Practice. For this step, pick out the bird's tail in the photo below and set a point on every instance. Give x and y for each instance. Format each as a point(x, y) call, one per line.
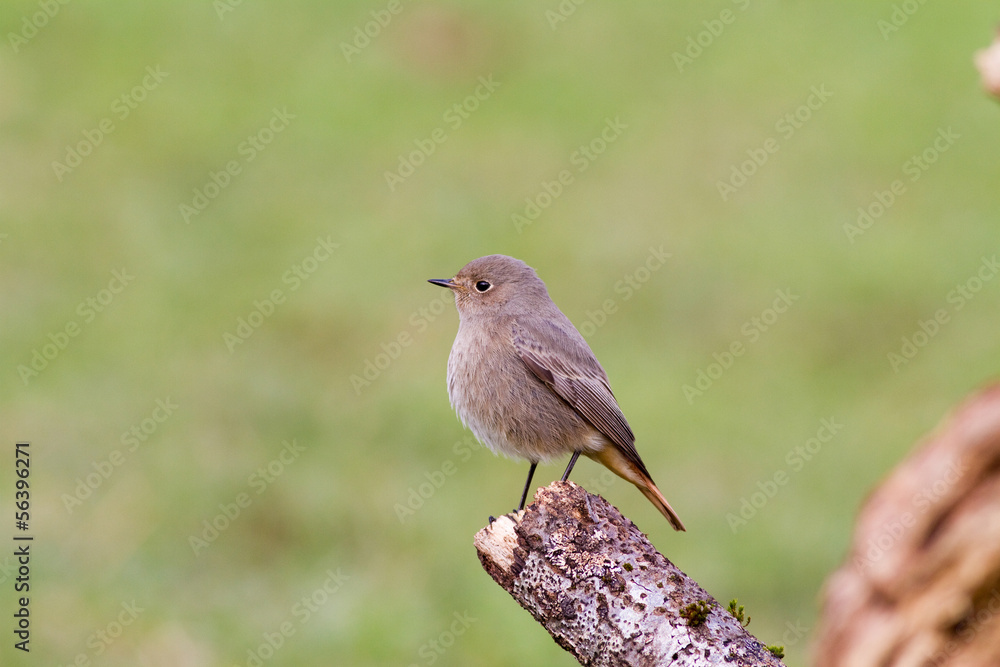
point(650, 491)
point(614, 460)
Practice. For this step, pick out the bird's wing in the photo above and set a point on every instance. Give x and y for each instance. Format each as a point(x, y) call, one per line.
point(584, 385)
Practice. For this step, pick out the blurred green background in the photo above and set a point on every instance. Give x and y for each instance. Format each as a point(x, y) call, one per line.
point(177, 367)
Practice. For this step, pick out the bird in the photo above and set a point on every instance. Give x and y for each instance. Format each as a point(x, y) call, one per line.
point(526, 383)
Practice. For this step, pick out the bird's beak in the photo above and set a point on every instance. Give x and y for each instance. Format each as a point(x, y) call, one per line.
point(444, 282)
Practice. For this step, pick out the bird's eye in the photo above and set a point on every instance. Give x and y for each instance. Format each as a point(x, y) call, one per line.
point(482, 286)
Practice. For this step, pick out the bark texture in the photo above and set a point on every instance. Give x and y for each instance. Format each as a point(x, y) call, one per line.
point(594, 581)
point(921, 585)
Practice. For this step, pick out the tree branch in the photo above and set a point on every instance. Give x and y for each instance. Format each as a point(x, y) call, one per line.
point(594, 581)
point(921, 585)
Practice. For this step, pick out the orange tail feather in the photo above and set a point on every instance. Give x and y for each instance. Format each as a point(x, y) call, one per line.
point(611, 458)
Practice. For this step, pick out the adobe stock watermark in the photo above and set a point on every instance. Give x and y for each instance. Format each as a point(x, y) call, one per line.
point(99, 641)
point(698, 43)
point(561, 12)
point(795, 460)
point(8, 569)
point(131, 440)
point(300, 613)
point(258, 481)
point(786, 127)
point(752, 330)
point(626, 288)
point(390, 350)
point(30, 25)
point(433, 480)
point(59, 340)
point(966, 631)
point(432, 650)
point(914, 167)
point(958, 298)
point(223, 7)
point(246, 152)
point(892, 531)
point(363, 35)
point(121, 108)
point(794, 633)
point(580, 160)
point(901, 13)
point(454, 117)
point(293, 277)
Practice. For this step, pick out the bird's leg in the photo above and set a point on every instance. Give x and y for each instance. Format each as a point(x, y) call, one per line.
point(569, 468)
point(527, 484)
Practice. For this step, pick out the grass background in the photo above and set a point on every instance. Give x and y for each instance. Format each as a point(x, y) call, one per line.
point(366, 449)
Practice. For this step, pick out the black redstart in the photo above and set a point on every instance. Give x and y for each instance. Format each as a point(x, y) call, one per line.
point(525, 381)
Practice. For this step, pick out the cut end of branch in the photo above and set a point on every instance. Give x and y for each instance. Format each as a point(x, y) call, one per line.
point(497, 548)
